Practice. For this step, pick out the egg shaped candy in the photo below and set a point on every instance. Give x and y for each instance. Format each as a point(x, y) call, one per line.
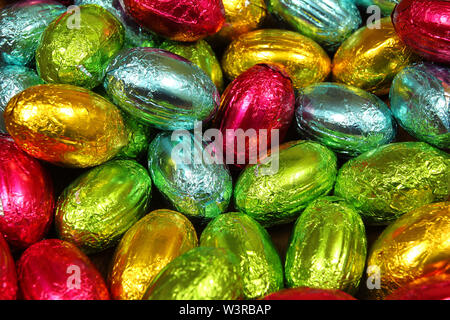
point(8, 277)
point(146, 248)
point(97, 208)
point(346, 119)
point(425, 288)
point(65, 125)
point(303, 59)
point(309, 294)
point(384, 183)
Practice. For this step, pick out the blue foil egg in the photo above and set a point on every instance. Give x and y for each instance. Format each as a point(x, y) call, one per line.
point(420, 102)
point(346, 119)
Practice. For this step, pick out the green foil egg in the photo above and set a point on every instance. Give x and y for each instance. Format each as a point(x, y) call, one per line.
point(384, 183)
point(276, 190)
point(202, 273)
point(328, 247)
point(95, 210)
point(261, 268)
point(138, 136)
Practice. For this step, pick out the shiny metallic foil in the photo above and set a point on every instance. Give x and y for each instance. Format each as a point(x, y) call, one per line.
point(420, 101)
point(8, 277)
point(139, 138)
point(309, 294)
point(386, 6)
point(65, 125)
point(200, 274)
point(275, 194)
point(393, 179)
point(161, 89)
point(195, 187)
point(261, 268)
point(406, 247)
point(21, 27)
point(152, 243)
point(302, 58)
point(97, 208)
point(344, 118)
point(328, 247)
point(328, 22)
point(57, 270)
point(371, 57)
point(424, 288)
point(77, 47)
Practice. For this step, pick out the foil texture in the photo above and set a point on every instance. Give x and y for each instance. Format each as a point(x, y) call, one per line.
point(146, 248)
point(260, 264)
point(420, 102)
point(65, 125)
point(95, 210)
point(327, 22)
point(139, 137)
point(425, 288)
point(371, 57)
point(180, 20)
point(57, 270)
point(302, 58)
point(77, 47)
point(386, 6)
point(276, 190)
point(21, 27)
point(386, 182)
point(26, 196)
point(202, 273)
point(328, 247)
point(406, 248)
point(161, 89)
point(8, 277)
point(346, 119)
point(309, 294)
point(186, 173)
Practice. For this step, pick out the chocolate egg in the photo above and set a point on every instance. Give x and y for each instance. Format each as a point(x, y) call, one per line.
point(21, 27)
point(138, 139)
point(65, 125)
point(200, 274)
point(261, 269)
point(309, 294)
point(97, 208)
point(26, 196)
point(304, 60)
point(146, 248)
point(170, 92)
point(346, 119)
point(276, 190)
point(57, 270)
point(8, 277)
point(371, 57)
point(420, 101)
point(328, 247)
point(426, 288)
point(77, 47)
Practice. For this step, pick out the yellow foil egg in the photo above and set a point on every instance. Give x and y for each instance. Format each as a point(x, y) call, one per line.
point(146, 249)
point(371, 57)
point(302, 58)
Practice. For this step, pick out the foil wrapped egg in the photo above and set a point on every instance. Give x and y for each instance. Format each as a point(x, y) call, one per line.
point(344, 118)
point(327, 22)
point(77, 47)
point(386, 182)
point(146, 248)
point(139, 136)
point(328, 247)
point(420, 101)
point(309, 294)
point(261, 268)
point(57, 270)
point(371, 57)
point(188, 175)
point(65, 125)
point(425, 288)
point(21, 27)
point(278, 188)
point(26, 196)
point(202, 273)
point(8, 277)
point(302, 58)
point(161, 89)
point(95, 210)
point(385, 6)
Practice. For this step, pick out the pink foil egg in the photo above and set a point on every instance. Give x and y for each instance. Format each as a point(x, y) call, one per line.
point(8, 279)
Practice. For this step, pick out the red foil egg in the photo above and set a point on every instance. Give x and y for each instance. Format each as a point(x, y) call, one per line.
point(424, 26)
point(8, 279)
point(426, 288)
point(57, 270)
point(181, 20)
point(26, 196)
point(309, 294)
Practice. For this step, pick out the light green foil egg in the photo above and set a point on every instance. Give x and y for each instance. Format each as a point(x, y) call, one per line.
point(139, 137)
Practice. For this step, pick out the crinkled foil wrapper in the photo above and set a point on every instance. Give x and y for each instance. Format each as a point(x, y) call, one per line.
point(200, 274)
point(8, 277)
point(425, 288)
point(97, 208)
point(139, 136)
point(386, 6)
point(393, 179)
point(261, 268)
point(309, 294)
